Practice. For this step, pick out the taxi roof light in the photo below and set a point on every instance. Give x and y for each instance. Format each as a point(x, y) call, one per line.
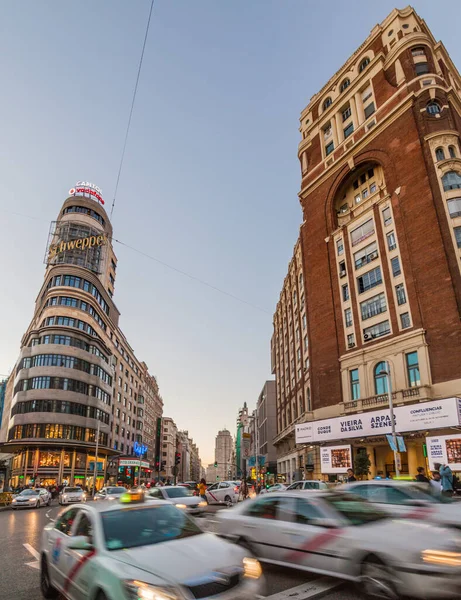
point(132, 498)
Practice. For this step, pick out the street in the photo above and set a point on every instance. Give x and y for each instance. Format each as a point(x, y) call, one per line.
point(20, 541)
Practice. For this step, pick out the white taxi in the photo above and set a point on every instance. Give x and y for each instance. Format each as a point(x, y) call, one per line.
point(342, 535)
point(68, 495)
point(180, 496)
point(224, 492)
point(141, 551)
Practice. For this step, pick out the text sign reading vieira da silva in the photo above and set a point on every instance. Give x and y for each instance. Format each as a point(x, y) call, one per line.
point(85, 188)
point(414, 417)
point(80, 244)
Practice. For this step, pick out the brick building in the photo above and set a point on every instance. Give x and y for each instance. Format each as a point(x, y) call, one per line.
point(379, 255)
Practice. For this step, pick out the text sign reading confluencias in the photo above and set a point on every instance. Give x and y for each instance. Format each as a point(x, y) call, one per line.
point(80, 244)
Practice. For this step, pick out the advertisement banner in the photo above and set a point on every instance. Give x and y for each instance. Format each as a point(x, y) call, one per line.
point(335, 459)
point(126, 462)
point(444, 449)
point(413, 417)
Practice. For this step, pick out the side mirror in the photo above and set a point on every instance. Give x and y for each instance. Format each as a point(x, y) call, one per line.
point(80, 542)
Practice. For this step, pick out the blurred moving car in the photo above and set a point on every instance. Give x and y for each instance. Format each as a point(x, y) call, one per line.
point(111, 492)
point(408, 499)
point(224, 492)
point(71, 494)
point(308, 485)
point(31, 498)
point(341, 535)
point(181, 496)
point(148, 550)
point(277, 487)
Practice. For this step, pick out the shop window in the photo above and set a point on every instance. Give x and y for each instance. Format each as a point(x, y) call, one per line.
point(439, 154)
point(355, 384)
point(380, 376)
point(413, 369)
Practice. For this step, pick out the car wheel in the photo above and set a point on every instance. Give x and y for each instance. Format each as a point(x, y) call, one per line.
point(37, 504)
point(228, 500)
point(48, 591)
point(101, 596)
point(48, 502)
point(376, 580)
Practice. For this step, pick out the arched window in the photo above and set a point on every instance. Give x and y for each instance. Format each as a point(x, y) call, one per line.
point(380, 375)
point(433, 108)
point(345, 84)
point(327, 103)
point(301, 280)
point(363, 65)
point(451, 181)
point(452, 151)
point(440, 154)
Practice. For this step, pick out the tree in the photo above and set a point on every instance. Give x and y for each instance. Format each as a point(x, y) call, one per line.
point(362, 464)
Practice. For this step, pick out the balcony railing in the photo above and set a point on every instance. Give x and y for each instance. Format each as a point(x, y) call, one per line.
point(398, 397)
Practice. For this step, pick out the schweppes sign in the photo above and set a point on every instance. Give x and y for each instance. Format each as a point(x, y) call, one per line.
point(79, 244)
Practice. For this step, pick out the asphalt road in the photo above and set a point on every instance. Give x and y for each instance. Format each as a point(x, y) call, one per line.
point(20, 533)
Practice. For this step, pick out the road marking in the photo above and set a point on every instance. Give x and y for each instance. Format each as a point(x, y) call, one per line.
point(309, 590)
point(36, 563)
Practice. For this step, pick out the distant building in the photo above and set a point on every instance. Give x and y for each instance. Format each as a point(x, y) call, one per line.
point(266, 419)
point(223, 453)
point(211, 474)
point(169, 445)
point(2, 397)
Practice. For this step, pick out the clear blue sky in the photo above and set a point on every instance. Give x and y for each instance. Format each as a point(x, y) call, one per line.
point(211, 174)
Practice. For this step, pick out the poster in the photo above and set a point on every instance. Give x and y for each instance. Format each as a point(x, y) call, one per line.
point(444, 449)
point(335, 459)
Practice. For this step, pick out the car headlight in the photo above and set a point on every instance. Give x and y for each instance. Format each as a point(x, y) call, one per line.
point(252, 568)
point(441, 557)
point(138, 590)
point(32, 499)
point(64, 496)
point(13, 501)
point(202, 503)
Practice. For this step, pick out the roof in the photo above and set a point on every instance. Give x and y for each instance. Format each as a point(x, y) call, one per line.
point(108, 506)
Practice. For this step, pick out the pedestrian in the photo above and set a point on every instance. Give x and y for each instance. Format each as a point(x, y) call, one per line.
point(436, 483)
point(350, 476)
point(421, 477)
point(202, 489)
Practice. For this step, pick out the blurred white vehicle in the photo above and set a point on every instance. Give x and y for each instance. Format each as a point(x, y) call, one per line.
point(181, 496)
point(31, 498)
point(277, 487)
point(224, 492)
point(308, 485)
point(340, 535)
point(71, 494)
point(111, 492)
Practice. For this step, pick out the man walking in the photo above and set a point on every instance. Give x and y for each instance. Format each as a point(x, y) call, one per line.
point(446, 476)
point(350, 476)
point(420, 476)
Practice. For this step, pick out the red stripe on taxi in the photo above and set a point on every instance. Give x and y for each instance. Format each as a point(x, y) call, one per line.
point(76, 568)
point(314, 544)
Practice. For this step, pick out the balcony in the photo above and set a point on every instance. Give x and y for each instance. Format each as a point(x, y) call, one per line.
point(382, 400)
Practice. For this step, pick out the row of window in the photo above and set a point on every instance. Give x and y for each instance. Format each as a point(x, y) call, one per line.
point(84, 211)
point(56, 431)
point(75, 303)
point(69, 322)
point(68, 362)
point(67, 340)
point(381, 378)
point(60, 406)
point(346, 83)
point(82, 284)
point(62, 383)
point(440, 153)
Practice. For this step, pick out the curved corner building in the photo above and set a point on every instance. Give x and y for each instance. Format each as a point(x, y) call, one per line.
point(76, 374)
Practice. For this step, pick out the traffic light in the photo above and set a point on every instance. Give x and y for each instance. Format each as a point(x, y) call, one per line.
point(157, 465)
point(177, 458)
point(215, 464)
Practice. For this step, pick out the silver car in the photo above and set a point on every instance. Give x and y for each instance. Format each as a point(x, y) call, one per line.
point(308, 485)
point(33, 498)
point(181, 496)
point(71, 494)
point(277, 487)
point(111, 492)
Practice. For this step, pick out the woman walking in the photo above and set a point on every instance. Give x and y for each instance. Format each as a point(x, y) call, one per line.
point(202, 489)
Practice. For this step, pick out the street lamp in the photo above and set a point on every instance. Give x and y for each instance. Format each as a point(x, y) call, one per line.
point(96, 457)
point(387, 373)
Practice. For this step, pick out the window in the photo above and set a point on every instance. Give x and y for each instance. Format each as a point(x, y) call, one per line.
point(439, 154)
point(405, 320)
point(375, 331)
point(365, 256)
point(433, 108)
point(358, 199)
point(361, 233)
point(84, 526)
point(348, 130)
point(339, 247)
point(345, 289)
point(348, 317)
point(366, 94)
point(400, 293)
point(363, 65)
point(387, 217)
point(306, 342)
point(391, 243)
point(327, 102)
point(380, 375)
point(345, 84)
point(305, 513)
point(413, 369)
point(342, 269)
point(395, 264)
point(454, 207)
point(421, 69)
point(369, 280)
point(346, 113)
point(369, 110)
point(355, 384)
point(451, 181)
point(264, 508)
point(327, 131)
point(452, 151)
point(329, 148)
point(365, 193)
point(458, 236)
point(373, 188)
point(304, 321)
point(65, 522)
point(351, 340)
point(418, 51)
point(372, 307)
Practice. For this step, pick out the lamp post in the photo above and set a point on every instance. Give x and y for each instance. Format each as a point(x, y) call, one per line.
point(391, 411)
point(96, 458)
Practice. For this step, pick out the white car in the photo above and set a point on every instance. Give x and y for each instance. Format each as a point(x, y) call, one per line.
point(277, 487)
point(308, 485)
point(181, 496)
point(224, 492)
point(111, 492)
point(71, 494)
point(340, 535)
point(31, 498)
point(409, 499)
point(151, 551)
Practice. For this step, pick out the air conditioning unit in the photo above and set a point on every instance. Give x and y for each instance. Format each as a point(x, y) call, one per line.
point(373, 256)
point(352, 345)
point(342, 274)
point(367, 337)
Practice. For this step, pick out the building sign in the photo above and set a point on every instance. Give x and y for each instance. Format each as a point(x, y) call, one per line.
point(246, 438)
point(85, 188)
point(413, 417)
point(335, 459)
point(128, 462)
point(80, 244)
point(446, 450)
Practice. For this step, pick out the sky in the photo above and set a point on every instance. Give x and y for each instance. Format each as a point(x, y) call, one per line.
point(210, 178)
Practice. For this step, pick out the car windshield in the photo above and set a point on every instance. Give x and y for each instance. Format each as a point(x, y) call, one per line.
point(144, 526)
point(116, 490)
point(356, 510)
point(70, 490)
point(178, 492)
point(29, 493)
point(422, 491)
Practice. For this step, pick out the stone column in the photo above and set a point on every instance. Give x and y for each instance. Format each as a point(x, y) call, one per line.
point(355, 118)
point(36, 462)
point(339, 129)
point(72, 468)
point(412, 459)
point(26, 460)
